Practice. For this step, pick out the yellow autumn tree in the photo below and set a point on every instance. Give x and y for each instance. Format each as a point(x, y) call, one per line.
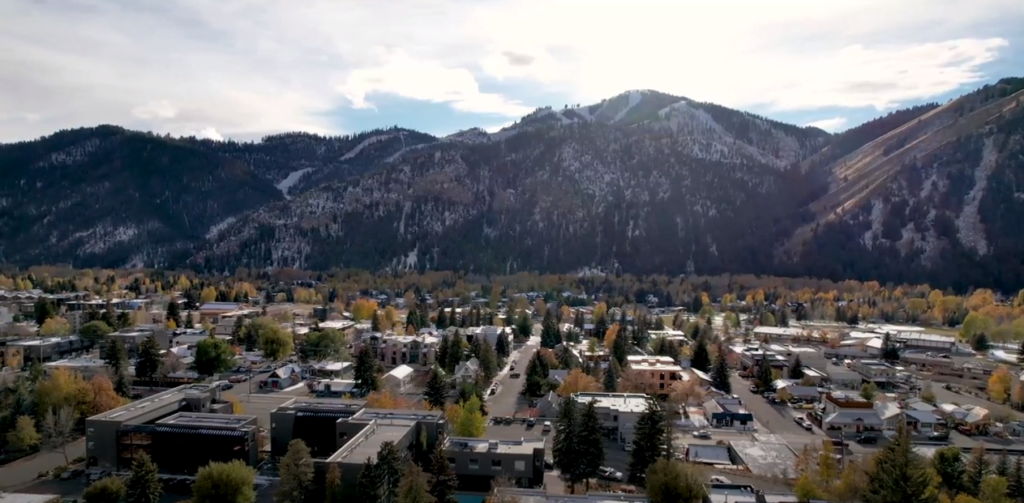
point(363, 309)
point(209, 294)
point(600, 310)
point(55, 327)
point(577, 382)
point(385, 399)
point(999, 384)
point(610, 335)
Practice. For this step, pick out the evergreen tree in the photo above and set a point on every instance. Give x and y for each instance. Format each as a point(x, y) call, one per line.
point(720, 372)
point(701, 359)
point(442, 320)
point(455, 353)
point(388, 472)
point(365, 372)
point(436, 391)
point(536, 375)
point(441, 355)
point(143, 485)
point(948, 463)
point(488, 361)
point(116, 358)
point(1015, 482)
point(590, 443)
point(600, 327)
point(189, 323)
point(375, 322)
point(444, 482)
point(764, 375)
point(620, 346)
point(524, 326)
point(900, 475)
point(578, 321)
point(566, 360)
point(148, 363)
point(648, 442)
point(296, 474)
point(796, 371)
point(565, 449)
point(412, 319)
point(174, 313)
point(502, 347)
point(367, 487)
point(610, 380)
point(978, 467)
point(1003, 466)
point(413, 487)
point(550, 335)
point(890, 352)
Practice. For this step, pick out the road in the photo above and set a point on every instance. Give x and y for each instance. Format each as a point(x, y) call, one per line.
point(507, 401)
point(27, 469)
point(776, 419)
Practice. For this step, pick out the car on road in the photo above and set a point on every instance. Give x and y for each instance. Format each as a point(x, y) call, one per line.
point(754, 389)
point(531, 422)
point(718, 479)
point(804, 423)
point(226, 386)
point(702, 434)
point(549, 464)
point(609, 473)
point(628, 447)
point(866, 439)
point(547, 426)
point(938, 436)
point(514, 375)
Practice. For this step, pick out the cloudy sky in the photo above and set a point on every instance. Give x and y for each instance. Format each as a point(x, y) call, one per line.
point(245, 68)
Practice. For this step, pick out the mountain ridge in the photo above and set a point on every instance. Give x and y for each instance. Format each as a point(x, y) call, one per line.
point(640, 182)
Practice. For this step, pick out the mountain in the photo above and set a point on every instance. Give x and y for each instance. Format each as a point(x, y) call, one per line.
point(643, 182)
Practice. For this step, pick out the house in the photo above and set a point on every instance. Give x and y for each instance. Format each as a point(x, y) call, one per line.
point(849, 413)
point(922, 421)
point(334, 388)
point(619, 412)
point(876, 371)
point(399, 378)
point(332, 370)
point(212, 311)
point(285, 377)
point(728, 412)
point(890, 413)
point(467, 372)
point(841, 377)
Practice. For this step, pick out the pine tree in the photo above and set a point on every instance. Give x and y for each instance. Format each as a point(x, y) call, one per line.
point(978, 467)
point(296, 470)
point(413, 487)
point(948, 463)
point(900, 475)
point(365, 372)
point(444, 482)
point(436, 391)
point(701, 359)
point(590, 443)
point(375, 322)
point(565, 450)
point(455, 352)
point(148, 363)
point(610, 380)
point(720, 373)
point(620, 346)
point(143, 485)
point(367, 487)
point(796, 371)
point(488, 361)
point(550, 336)
point(442, 320)
point(648, 442)
point(578, 321)
point(189, 323)
point(388, 471)
point(764, 376)
point(174, 313)
point(600, 327)
point(441, 355)
point(1015, 482)
point(1003, 467)
point(501, 347)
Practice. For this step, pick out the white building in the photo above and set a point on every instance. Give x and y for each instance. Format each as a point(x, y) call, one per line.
point(399, 378)
point(619, 412)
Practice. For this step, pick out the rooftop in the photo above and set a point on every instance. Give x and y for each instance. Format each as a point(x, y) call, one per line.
point(766, 455)
point(128, 412)
point(366, 443)
point(208, 421)
point(521, 446)
point(322, 405)
point(220, 306)
point(76, 362)
point(410, 416)
point(28, 498)
point(43, 342)
point(622, 402)
point(731, 493)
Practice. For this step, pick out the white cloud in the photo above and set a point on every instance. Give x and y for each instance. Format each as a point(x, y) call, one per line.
point(832, 124)
point(247, 68)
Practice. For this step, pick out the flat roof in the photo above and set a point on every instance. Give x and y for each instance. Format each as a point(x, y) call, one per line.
point(521, 446)
point(206, 420)
point(731, 493)
point(622, 402)
point(171, 396)
point(322, 405)
point(767, 458)
point(369, 443)
point(76, 362)
point(399, 415)
point(43, 342)
point(28, 498)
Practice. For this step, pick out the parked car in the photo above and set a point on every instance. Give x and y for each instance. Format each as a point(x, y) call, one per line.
point(939, 436)
point(702, 434)
point(753, 389)
point(629, 447)
point(547, 426)
point(718, 479)
point(609, 473)
point(531, 422)
point(226, 386)
point(514, 375)
point(866, 439)
point(549, 464)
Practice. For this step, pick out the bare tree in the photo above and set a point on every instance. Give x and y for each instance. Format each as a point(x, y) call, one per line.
point(58, 427)
point(498, 493)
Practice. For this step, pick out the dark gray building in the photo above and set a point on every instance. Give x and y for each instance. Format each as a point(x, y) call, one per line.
point(477, 461)
point(165, 424)
point(131, 338)
point(49, 349)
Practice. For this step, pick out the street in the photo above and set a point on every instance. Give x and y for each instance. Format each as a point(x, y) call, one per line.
point(506, 402)
point(776, 419)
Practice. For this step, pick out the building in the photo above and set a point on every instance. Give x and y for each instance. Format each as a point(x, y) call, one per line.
point(654, 374)
point(778, 333)
point(394, 350)
point(619, 412)
point(212, 311)
point(50, 349)
point(399, 378)
point(132, 338)
point(334, 388)
point(284, 377)
point(6, 497)
point(187, 415)
point(467, 371)
point(849, 413)
point(478, 461)
point(85, 366)
point(542, 496)
point(728, 412)
point(489, 334)
point(878, 372)
point(841, 377)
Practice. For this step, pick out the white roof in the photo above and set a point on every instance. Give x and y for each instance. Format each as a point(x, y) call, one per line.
point(778, 331)
point(401, 371)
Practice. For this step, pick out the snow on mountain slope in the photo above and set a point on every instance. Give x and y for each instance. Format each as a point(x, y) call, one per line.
point(285, 185)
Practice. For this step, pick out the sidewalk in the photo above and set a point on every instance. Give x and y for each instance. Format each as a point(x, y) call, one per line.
point(27, 469)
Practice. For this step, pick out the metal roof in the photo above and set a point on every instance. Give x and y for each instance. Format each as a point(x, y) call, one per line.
point(200, 431)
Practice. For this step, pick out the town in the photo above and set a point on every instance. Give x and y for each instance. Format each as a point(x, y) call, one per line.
point(507, 397)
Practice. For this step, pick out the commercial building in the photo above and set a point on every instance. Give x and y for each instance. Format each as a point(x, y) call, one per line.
point(160, 425)
point(655, 374)
point(619, 412)
point(87, 367)
point(51, 348)
point(477, 461)
point(132, 338)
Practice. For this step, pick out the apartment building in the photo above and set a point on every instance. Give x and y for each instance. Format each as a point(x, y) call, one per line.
point(654, 374)
point(132, 338)
point(619, 412)
point(163, 424)
point(477, 461)
point(85, 366)
point(50, 349)
point(394, 350)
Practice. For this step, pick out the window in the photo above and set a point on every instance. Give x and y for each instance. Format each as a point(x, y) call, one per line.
point(662, 376)
point(615, 418)
point(661, 385)
point(520, 466)
point(474, 464)
point(495, 464)
point(451, 461)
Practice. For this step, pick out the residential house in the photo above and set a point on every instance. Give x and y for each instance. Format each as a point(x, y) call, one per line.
point(849, 413)
point(655, 375)
point(331, 369)
point(213, 311)
point(85, 366)
point(394, 350)
point(399, 378)
point(334, 388)
point(922, 421)
point(467, 371)
point(841, 377)
point(619, 412)
point(489, 334)
point(890, 413)
point(285, 377)
point(728, 412)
